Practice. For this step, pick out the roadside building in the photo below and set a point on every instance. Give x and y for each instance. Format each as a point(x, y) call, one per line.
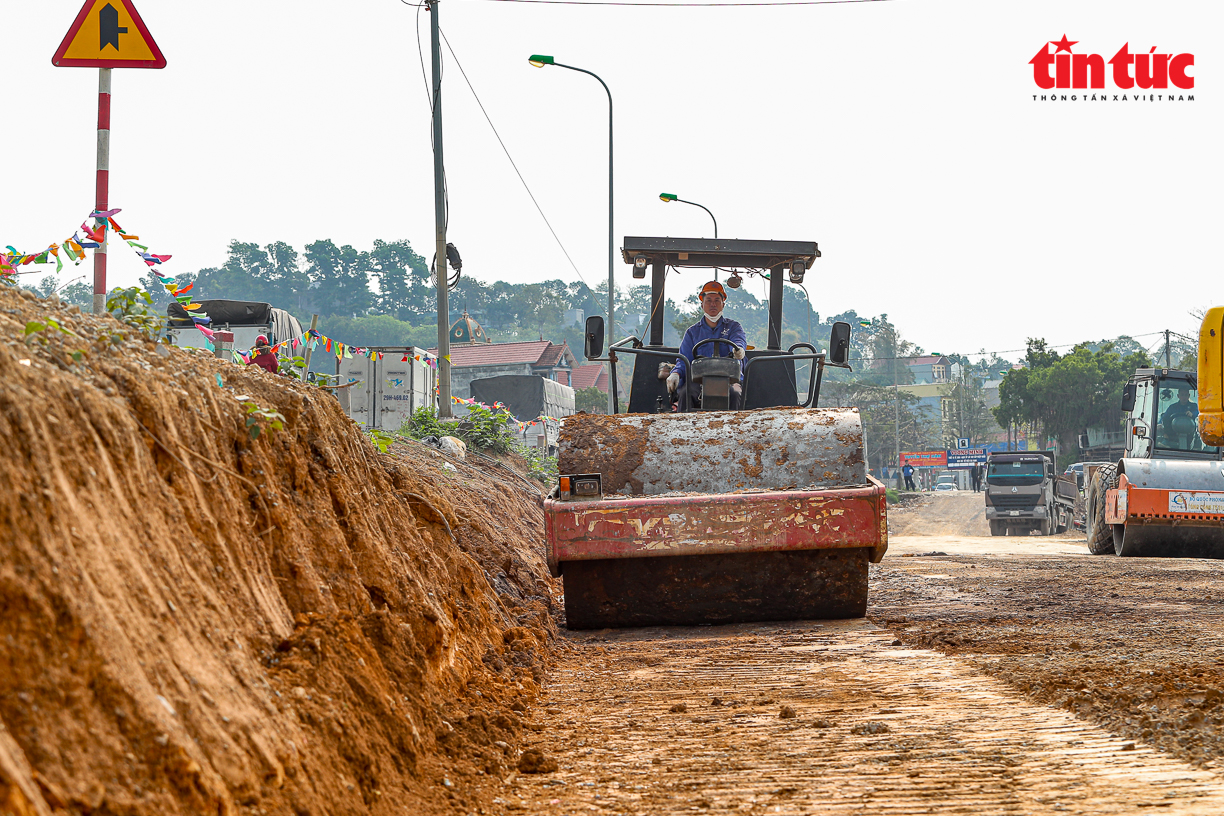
point(591, 375)
point(932, 368)
point(475, 357)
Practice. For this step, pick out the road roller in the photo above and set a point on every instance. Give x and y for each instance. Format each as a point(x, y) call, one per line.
point(1165, 497)
point(737, 500)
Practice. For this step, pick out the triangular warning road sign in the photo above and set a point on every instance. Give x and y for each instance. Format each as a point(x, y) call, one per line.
point(108, 34)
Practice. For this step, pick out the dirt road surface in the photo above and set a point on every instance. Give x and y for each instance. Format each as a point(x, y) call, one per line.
point(993, 675)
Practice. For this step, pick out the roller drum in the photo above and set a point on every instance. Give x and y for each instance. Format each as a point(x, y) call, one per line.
point(1172, 534)
point(716, 452)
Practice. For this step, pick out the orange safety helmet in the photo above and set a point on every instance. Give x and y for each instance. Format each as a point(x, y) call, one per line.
point(713, 286)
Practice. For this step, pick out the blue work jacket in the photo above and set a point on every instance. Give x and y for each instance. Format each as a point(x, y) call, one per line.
point(725, 328)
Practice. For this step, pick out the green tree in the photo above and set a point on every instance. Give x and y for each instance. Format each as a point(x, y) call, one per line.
point(288, 283)
point(583, 297)
point(44, 287)
point(969, 418)
point(245, 275)
point(404, 288)
point(340, 279)
point(378, 330)
point(78, 294)
point(547, 303)
point(884, 353)
point(591, 400)
point(890, 418)
point(686, 317)
point(1062, 396)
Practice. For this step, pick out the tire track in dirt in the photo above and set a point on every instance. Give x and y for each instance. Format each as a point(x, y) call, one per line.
point(822, 717)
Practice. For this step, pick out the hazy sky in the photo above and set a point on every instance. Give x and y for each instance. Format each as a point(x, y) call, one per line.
point(901, 135)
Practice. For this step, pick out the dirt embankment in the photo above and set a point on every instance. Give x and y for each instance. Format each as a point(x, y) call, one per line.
point(195, 621)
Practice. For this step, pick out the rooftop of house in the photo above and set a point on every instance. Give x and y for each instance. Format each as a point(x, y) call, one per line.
point(533, 352)
point(590, 375)
point(929, 359)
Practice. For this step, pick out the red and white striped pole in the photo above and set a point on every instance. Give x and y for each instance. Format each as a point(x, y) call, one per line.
point(104, 111)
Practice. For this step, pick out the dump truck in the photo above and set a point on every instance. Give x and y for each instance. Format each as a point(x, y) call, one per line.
point(704, 515)
point(1023, 494)
point(246, 319)
point(1165, 497)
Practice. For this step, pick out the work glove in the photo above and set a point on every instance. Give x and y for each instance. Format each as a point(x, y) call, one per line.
point(737, 352)
point(673, 382)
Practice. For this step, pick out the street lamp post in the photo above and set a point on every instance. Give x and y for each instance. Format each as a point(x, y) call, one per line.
point(539, 61)
point(667, 198)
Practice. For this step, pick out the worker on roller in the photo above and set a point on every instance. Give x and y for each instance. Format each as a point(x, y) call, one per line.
point(711, 325)
point(1183, 406)
point(1180, 419)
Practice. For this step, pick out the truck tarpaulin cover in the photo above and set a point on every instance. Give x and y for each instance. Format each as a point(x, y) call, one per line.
point(233, 312)
point(523, 394)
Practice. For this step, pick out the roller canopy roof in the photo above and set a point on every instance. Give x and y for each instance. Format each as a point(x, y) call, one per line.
point(721, 252)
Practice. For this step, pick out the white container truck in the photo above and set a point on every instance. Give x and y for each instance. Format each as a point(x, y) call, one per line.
point(382, 394)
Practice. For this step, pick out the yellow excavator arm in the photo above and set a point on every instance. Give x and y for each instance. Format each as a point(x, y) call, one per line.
point(1211, 377)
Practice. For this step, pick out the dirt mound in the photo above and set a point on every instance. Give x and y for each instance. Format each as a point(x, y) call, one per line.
point(198, 621)
point(962, 513)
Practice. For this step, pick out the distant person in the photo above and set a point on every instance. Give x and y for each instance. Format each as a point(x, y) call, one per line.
point(976, 473)
point(908, 472)
point(264, 356)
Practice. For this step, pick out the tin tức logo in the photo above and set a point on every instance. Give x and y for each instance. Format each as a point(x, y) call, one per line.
point(1135, 75)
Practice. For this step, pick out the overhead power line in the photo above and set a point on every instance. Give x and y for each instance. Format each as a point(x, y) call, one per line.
point(511, 158)
point(1010, 351)
point(691, 5)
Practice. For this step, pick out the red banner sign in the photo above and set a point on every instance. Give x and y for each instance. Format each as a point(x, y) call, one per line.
point(925, 458)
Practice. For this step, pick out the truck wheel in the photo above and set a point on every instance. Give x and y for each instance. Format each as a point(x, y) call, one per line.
point(997, 528)
point(1100, 534)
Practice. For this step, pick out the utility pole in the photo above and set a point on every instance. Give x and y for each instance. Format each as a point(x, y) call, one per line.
point(444, 362)
point(960, 405)
point(896, 403)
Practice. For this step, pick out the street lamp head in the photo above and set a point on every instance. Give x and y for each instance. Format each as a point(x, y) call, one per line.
point(539, 60)
point(666, 197)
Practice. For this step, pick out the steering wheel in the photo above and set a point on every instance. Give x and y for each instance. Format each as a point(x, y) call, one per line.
point(1182, 428)
point(711, 340)
point(684, 406)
